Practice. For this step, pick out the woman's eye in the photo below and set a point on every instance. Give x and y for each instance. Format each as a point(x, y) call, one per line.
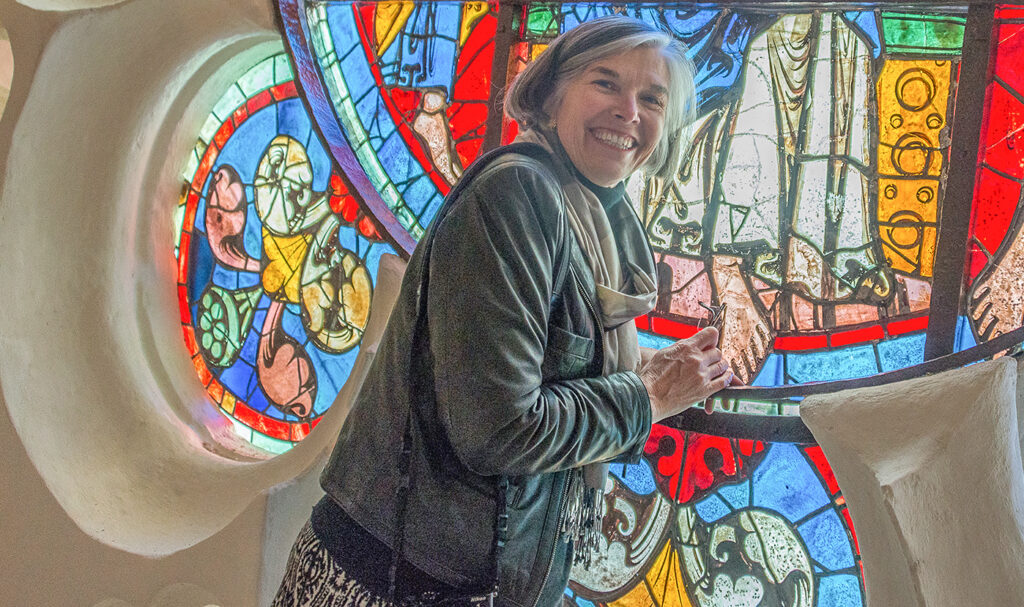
point(654, 101)
point(605, 84)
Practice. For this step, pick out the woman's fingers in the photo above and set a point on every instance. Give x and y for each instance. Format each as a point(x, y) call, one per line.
point(705, 338)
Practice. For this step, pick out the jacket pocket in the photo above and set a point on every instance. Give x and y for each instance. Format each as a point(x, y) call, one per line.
point(567, 356)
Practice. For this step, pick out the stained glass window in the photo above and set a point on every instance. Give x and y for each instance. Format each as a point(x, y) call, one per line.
point(275, 261)
point(810, 203)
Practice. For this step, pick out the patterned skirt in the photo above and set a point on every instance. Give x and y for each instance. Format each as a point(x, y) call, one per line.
point(313, 579)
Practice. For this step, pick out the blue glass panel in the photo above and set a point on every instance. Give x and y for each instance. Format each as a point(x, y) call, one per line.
point(785, 483)
point(650, 340)
point(964, 335)
point(233, 279)
point(426, 49)
point(257, 401)
point(901, 352)
point(839, 591)
point(245, 147)
point(712, 508)
point(237, 377)
point(332, 371)
point(199, 224)
point(253, 237)
point(845, 363)
point(737, 496)
point(771, 373)
point(200, 257)
point(638, 478)
point(826, 540)
point(580, 12)
point(865, 24)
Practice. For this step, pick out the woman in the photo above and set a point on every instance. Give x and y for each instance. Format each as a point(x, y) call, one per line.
point(471, 464)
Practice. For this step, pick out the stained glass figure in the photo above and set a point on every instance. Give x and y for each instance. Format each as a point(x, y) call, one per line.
point(275, 262)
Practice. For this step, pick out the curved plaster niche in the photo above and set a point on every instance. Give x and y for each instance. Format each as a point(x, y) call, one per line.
point(6, 68)
point(95, 375)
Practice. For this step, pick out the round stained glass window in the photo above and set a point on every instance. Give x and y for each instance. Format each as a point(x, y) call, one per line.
point(276, 262)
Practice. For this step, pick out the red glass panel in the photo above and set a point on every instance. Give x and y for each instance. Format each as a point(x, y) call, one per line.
point(224, 132)
point(899, 327)
point(995, 201)
point(684, 468)
point(1010, 54)
point(240, 115)
point(299, 432)
point(205, 165)
point(1004, 135)
point(467, 115)
point(183, 249)
point(216, 391)
point(273, 428)
point(205, 377)
point(186, 314)
point(190, 340)
point(259, 102)
point(801, 342)
point(856, 336)
point(643, 323)
point(817, 457)
point(671, 328)
point(1009, 11)
point(853, 532)
point(284, 91)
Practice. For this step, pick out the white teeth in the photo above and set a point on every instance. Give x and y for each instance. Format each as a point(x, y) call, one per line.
point(623, 143)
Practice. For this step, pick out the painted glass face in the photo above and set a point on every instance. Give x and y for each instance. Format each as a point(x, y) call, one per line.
point(276, 262)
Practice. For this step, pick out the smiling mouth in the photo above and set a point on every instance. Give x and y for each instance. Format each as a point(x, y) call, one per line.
point(621, 142)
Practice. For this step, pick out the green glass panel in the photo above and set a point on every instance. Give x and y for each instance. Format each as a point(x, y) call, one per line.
point(178, 217)
point(541, 21)
point(270, 444)
point(227, 104)
point(923, 34)
point(208, 131)
point(258, 78)
point(282, 69)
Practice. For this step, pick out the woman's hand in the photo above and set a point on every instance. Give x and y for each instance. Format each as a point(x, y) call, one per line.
point(688, 371)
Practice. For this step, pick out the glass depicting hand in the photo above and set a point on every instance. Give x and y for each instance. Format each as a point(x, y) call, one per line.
point(688, 371)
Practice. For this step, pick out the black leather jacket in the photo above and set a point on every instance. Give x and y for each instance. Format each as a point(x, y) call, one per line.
point(503, 378)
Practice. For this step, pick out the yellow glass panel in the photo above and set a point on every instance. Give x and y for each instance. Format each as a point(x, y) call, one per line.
point(472, 12)
point(662, 587)
point(228, 404)
point(913, 107)
point(536, 50)
point(388, 19)
point(284, 255)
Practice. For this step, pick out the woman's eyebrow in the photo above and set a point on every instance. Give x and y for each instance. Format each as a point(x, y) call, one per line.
point(610, 73)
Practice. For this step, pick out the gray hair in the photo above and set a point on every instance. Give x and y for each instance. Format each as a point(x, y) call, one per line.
point(539, 89)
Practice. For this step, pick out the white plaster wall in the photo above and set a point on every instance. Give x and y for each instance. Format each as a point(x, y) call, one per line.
point(117, 486)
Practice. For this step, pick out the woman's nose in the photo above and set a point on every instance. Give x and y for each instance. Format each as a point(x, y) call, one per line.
point(627, 108)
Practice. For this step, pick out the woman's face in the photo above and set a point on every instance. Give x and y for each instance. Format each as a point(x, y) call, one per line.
point(612, 115)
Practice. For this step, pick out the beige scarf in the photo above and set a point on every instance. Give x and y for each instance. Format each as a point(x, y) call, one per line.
point(622, 295)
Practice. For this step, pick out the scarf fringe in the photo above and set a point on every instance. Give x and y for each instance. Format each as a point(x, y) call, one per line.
point(581, 518)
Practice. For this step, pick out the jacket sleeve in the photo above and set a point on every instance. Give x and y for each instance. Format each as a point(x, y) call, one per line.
point(488, 300)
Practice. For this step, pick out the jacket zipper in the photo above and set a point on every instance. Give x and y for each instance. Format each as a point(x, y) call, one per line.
point(565, 487)
point(551, 559)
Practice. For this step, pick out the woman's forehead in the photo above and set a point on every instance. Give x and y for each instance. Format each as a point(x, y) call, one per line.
point(645, 64)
